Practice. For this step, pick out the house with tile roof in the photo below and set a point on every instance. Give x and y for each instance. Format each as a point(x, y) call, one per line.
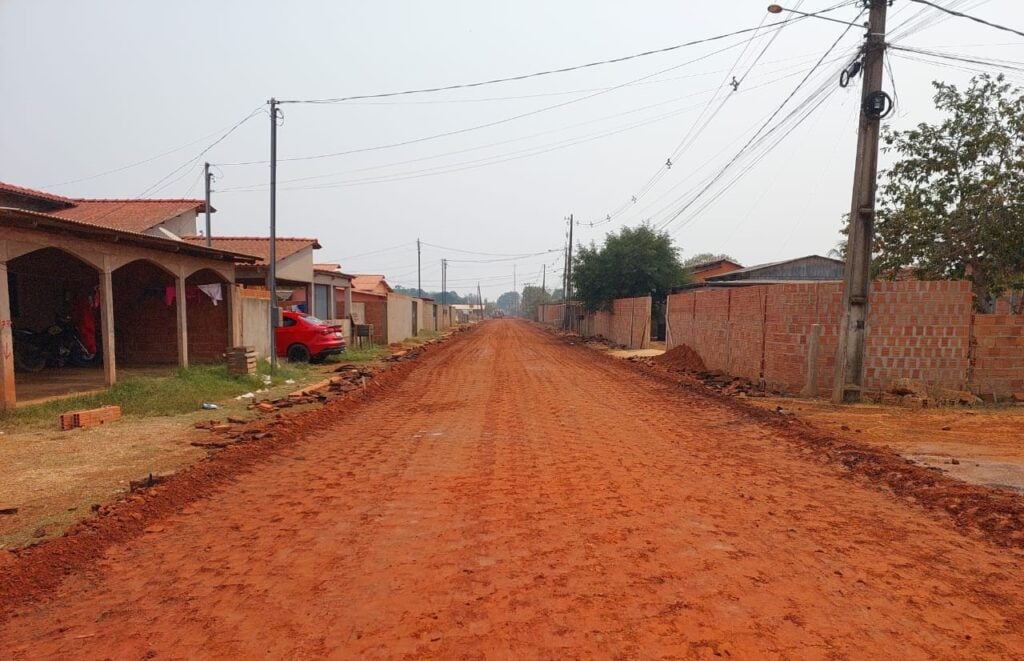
point(116, 272)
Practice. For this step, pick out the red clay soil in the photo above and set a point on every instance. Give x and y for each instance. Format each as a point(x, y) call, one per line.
point(681, 358)
point(513, 496)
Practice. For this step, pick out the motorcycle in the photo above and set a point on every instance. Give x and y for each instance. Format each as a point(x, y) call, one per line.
point(57, 346)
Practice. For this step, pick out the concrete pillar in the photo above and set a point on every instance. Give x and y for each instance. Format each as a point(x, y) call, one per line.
point(231, 297)
point(181, 300)
point(7, 395)
point(348, 301)
point(107, 327)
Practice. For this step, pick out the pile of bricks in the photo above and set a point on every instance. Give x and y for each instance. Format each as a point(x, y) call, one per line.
point(89, 418)
point(241, 360)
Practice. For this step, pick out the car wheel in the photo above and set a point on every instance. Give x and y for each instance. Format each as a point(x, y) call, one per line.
point(298, 353)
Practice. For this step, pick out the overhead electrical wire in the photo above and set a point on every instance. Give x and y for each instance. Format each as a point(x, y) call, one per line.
point(484, 161)
point(759, 136)
point(549, 72)
point(958, 14)
point(491, 124)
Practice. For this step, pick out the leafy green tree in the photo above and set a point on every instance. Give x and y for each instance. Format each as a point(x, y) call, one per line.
point(952, 205)
point(633, 262)
point(532, 297)
point(509, 301)
point(704, 258)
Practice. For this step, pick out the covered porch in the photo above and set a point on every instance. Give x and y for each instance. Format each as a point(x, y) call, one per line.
point(86, 301)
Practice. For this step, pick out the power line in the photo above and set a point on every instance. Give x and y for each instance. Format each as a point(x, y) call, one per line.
point(491, 124)
point(758, 135)
point(537, 74)
point(958, 14)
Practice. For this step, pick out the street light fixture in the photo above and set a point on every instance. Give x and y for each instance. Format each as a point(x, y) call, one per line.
point(778, 9)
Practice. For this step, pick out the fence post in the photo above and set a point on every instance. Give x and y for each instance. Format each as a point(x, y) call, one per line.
point(811, 382)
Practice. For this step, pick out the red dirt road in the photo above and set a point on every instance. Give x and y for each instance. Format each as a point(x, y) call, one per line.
point(516, 497)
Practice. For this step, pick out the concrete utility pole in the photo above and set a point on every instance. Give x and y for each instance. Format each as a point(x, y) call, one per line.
point(444, 282)
point(480, 300)
point(419, 274)
point(568, 279)
point(544, 279)
point(849, 368)
point(515, 305)
point(207, 177)
point(272, 271)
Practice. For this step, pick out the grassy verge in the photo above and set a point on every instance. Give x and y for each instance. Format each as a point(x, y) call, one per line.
point(360, 355)
point(156, 396)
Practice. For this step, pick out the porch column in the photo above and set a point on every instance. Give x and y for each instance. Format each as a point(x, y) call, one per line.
point(107, 327)
point(7, 395)
point(180, 298)
point(348, 301)
point(234, 315)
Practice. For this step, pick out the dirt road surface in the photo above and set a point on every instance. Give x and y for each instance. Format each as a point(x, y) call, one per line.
point(516, 497)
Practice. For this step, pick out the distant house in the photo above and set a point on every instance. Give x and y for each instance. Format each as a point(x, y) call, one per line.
point(811, 267)
point(294, 258)
point(705, 270)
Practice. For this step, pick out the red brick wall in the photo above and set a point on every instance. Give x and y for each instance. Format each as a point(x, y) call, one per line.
point(998, 354)
point(377, 316)
point(145, 327)
point(919, 330)
point(207, 325)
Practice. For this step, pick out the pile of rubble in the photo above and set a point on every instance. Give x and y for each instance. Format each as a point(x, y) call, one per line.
point(913, 394)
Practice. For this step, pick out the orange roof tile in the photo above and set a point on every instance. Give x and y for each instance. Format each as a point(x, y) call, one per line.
point(129, 215)
point(257, 246)
point(371, 283)
point(38, 194)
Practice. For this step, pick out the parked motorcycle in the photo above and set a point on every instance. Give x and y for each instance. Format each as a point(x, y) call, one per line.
point(57, 346)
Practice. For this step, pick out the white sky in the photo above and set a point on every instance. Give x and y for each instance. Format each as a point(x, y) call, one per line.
point(93, 86)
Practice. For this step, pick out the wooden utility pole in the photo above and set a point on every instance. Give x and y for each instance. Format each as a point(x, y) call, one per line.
point(849, 368)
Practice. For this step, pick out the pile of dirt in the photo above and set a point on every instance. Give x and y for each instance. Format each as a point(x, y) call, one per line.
point(682, 358)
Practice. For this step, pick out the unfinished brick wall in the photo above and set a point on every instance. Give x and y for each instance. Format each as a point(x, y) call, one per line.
point(145, 327)
point(207, 323)
point(627, 324)
point(918, 330)
point(998, 365)
point(550, 313)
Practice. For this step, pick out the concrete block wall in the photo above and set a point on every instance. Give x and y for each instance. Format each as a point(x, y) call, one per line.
point(918, 330)
point(631, 322)
point(254, 319)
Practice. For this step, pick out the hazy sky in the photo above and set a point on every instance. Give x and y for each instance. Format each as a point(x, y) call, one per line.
point(89, 87)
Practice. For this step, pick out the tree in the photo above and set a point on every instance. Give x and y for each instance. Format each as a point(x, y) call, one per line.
point(704, 258)
point(509, 301)
point(952, 206)
point(532, 297)
point(633, 262)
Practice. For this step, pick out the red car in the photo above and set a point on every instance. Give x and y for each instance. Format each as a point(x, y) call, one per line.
point(302, 338)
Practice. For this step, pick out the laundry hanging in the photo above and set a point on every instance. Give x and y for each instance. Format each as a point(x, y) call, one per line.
point(215, 292)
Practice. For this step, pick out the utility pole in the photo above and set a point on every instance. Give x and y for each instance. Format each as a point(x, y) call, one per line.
point(419, 274)
point(849, 368)
point(207, 177)
point(515, 288)
point(544, 279)
point(480, 300)
point(444, 282)
point(568, 279)
point(272, 271)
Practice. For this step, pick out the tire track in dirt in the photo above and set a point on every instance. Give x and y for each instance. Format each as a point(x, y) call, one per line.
point(517, 497)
